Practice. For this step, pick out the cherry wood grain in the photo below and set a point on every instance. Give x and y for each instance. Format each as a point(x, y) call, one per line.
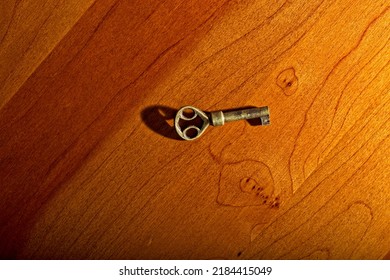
point(29, 30)
point(91, 168)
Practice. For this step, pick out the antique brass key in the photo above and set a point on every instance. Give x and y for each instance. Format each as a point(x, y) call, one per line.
point(199, 120)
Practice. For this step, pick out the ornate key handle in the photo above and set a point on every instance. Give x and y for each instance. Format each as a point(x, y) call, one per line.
point(199, 121)
point(188, 114)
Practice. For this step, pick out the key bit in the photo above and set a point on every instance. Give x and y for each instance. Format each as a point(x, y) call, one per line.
point(198, 121)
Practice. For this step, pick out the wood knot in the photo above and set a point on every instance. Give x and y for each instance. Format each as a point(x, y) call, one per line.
point(245, 183)
point(287, 81)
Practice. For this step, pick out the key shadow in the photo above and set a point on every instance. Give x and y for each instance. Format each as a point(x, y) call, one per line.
point(161, 119)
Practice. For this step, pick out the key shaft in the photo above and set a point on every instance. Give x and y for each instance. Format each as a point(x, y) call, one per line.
point(219, 118)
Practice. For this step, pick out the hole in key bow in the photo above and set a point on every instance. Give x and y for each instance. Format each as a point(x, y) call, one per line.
point(188, 114)
point(191, 132)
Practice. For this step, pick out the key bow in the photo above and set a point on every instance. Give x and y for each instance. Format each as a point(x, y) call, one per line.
point(190, 114)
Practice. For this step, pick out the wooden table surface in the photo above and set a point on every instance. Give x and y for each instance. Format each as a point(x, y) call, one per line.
point(91, 168)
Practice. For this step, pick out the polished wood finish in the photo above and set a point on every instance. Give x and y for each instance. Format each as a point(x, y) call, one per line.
point(91, 168)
